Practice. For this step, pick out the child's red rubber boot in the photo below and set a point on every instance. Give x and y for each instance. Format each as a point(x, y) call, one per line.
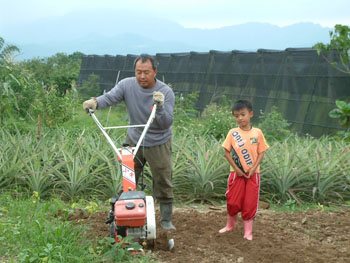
point(230, 225)
point(248, 229)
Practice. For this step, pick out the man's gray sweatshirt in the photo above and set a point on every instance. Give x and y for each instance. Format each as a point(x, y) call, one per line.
point(139, 101)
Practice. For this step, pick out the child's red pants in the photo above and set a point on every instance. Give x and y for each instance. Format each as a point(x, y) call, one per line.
point(243, 195)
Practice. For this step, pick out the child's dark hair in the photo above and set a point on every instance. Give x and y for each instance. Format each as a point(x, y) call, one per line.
point(241, 104)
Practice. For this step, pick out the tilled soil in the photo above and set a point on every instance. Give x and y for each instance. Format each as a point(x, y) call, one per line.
point(310, 236)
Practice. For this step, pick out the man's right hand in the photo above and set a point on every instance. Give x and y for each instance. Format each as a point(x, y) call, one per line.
point(90, 104)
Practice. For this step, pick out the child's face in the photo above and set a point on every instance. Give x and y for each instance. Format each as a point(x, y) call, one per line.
point(243, 117)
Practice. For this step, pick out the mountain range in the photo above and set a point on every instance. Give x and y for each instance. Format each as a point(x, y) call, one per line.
point(108, 32)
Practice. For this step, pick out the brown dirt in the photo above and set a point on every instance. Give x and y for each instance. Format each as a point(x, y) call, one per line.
point(310, 236)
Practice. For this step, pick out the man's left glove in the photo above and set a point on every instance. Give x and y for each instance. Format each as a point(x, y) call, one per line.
point(90, 104)
point(158, 98)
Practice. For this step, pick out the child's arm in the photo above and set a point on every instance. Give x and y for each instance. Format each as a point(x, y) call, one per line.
point(256, 164)
point(232, 163)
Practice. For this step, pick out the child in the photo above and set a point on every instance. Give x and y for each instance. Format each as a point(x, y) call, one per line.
point(247, 146)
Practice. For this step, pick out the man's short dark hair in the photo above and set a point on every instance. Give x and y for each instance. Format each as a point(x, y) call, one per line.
point(146, 57)
point(241, 104)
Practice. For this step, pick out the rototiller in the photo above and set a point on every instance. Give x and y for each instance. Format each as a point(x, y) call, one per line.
point(132, 212)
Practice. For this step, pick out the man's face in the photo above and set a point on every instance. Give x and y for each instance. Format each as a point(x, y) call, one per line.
point(145, 74)
point(243, 117)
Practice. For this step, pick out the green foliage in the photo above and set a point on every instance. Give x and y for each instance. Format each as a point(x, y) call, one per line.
point(185, 114)
point(273, 125)
point(205, 170)
point(306, 169)
point(31, 232)
point(12, 159)
point(283, 170)
point(53, 108)
point(59, 70)
point(75, 161)
point(292, 206)
point(217, 120)
point(35, 230)
point(78, 172)
point(118, 251)
point(342, 112)
point(24, 96)
point(91, 87)
point(340, 41)
point(6, 52)
point(17, 88)
point(80, 165)
point(111, 180)
point(327, 172)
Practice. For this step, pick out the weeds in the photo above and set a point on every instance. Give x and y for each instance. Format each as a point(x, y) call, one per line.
point(33, 230)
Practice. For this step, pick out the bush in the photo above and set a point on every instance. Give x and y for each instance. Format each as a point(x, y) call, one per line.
point(185, 115)
point(217, 120)
point(91, 87)
point(52, 107)
point(273, 125)
point(23, 93)
point(58, 70)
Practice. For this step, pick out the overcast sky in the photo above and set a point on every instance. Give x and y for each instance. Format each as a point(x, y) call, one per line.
point(189, 13)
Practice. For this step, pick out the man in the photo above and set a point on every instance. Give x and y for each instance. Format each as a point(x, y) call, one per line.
point(140, 93)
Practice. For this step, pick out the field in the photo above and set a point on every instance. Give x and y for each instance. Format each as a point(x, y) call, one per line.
point(57, 173)
point(308, 236)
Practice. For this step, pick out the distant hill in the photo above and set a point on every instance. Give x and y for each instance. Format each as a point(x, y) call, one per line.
point(104, 32)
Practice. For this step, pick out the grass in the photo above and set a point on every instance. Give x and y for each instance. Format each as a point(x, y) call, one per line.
point(113, 116)
point(31, 230)
point(292, 206)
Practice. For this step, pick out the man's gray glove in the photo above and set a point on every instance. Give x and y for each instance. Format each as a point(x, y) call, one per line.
point(90, 104)
point(158, 98)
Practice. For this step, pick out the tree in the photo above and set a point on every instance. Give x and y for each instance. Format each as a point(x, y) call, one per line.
point(91, 87)
point(340, 42)
point(56, 71)
point(7, 52)
point(17, 88)
point(23, 96)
